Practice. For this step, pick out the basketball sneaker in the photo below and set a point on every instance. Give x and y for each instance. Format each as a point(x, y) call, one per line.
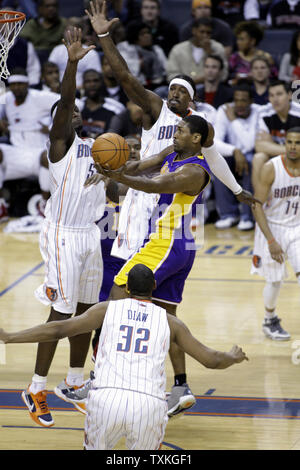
point(63, 388)
point(180, 399)
point(78, 397)
point(38, 408)
point(3, 211)
point(273, 329)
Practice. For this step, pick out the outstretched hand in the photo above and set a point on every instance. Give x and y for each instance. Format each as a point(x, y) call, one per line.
point(108, 173)
point(98, 19)
point(238, 354)
point(73, 43)
point(247, 198)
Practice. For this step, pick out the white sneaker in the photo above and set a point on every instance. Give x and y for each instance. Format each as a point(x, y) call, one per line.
point(273, 329)
point(245, 225)
point(226, 223)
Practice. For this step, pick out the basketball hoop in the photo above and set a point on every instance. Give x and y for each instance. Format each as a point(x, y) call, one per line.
point(11, 23)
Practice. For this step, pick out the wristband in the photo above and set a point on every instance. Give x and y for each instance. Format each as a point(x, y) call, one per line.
point(271, 241)
point(239, 191)
point(103, 35)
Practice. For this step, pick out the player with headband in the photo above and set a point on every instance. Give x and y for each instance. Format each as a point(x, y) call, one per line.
point(160, 119)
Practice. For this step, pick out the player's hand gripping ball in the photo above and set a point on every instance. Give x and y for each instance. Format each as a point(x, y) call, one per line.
point(110, 151)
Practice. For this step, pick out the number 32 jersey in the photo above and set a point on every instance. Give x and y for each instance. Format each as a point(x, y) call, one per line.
point(283, 204)
point(133, 345)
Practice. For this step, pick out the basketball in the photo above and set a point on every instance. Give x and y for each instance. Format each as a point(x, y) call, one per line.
point(110, 149)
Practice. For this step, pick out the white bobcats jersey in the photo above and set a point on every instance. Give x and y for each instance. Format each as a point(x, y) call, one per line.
point(283, 205)
point(71, 204)
point(138, 206)
point(133, 345)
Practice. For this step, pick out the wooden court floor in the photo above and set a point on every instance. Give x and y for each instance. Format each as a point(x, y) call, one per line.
point(251, 406)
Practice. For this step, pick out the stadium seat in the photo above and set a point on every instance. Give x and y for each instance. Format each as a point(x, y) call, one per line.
point(276, 42)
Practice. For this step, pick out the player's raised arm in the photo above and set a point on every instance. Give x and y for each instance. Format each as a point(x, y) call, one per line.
point(55, 330)
point(208, 357)
point(148, 101)
point(62, 132)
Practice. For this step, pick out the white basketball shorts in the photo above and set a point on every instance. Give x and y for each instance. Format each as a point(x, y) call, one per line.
point(113, 413)
point(20, 162)
point(262, 262)
point(73, 265)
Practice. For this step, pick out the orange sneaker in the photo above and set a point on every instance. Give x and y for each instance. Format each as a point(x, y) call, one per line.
point(38, 408)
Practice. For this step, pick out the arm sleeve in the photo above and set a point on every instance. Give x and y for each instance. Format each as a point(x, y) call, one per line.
point(220, 168)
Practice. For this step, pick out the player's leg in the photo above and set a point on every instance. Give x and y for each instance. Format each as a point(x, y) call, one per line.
point(35, 397)
point(146, 421)
point(274, 273)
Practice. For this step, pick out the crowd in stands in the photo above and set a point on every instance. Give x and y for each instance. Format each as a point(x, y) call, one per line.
point(244, 90)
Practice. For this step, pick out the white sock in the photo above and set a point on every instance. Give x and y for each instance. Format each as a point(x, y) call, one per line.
point(44, 181)
point(38, 384)
point(75, 376)
point(270, 294)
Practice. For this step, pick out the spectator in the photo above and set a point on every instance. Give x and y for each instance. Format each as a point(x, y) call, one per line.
point(284, 14)
point(165, 33)
point(26, 111)
point(97, 110)
point(111, 88)
point(221, 32)
point(46, 30)
point(290, 62)
point(275, 119)
point(214, 91)
point(260, 74)
point(22, 54)
point(59, 54)
point(188, 56)
point(50, 77)
point(248, 35)
point(257, 10)
point(146, 62)
point(236, 123)
point(230, 11)
point(129, 122)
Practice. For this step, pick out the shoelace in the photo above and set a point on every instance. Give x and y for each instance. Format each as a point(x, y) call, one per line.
point(43, 406)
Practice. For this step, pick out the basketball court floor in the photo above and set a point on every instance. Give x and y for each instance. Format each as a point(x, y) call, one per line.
point(250, 406)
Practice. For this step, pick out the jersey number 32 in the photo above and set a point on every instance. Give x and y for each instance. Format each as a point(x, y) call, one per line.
point(138, 341)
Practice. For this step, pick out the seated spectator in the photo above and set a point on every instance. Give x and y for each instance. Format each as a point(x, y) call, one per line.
point(221, 32)
point(236, 124)
point(214, 91)
point(46, 30)
point(260, 74)
point(230, 11)
point(59, 54)
point(147, 62)
point(275, 119)
point(248, 35)
point(27, 112)
point(50, 77)
point(284, 14)
point(128, 122)
point(257, 10)
point(188, 56)
point(97, 110)
point(165, 33)
point(22, 54)
point(117, 8)
point(111, 88)
point(290, 62)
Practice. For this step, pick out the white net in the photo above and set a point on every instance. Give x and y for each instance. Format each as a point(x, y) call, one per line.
point(11, 23)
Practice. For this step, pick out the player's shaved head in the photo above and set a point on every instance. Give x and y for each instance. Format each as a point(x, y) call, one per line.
point(140, 280)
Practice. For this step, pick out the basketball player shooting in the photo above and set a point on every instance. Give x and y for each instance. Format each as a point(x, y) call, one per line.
point(128, 395)
point(69, 239)
point(159, 122)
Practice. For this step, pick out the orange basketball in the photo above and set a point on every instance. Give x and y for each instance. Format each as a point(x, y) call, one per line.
point(110, 149)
